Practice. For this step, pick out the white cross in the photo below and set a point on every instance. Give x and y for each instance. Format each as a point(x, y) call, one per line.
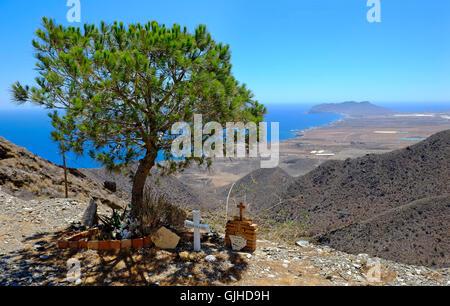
point(197, 227)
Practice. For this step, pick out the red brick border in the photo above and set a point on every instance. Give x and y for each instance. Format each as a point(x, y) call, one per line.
point(75, 243)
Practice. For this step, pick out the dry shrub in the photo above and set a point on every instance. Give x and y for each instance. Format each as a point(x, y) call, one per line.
point(158, 211)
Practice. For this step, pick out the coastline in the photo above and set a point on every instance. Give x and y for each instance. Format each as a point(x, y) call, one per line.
point(299, 135)
point(334, 122)
point(353, 136)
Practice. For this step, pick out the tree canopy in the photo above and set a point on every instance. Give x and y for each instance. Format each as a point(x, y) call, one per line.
point(121, 88)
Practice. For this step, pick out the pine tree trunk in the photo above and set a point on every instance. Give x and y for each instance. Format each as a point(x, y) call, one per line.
point(140, 177)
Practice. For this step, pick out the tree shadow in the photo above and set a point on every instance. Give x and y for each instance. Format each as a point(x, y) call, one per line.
point(42, 263)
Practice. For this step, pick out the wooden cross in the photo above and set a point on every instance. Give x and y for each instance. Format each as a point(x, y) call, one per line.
point(241, 211)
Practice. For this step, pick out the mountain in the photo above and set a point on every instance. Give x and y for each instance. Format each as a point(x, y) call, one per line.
point(338, 194)
point(28, 176)
point(350, 109)
point(416, 233)
point(393, 205)
point(260, 189)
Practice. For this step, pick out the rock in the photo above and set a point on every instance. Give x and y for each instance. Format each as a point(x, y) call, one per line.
point(303, 243)
point(165, 239)
point(214, 236)
point(39, 246)
point(90, 215)
point(237, 242)
point(184, 255)
point(210, 258)
point(196, 256)
point(111, 186)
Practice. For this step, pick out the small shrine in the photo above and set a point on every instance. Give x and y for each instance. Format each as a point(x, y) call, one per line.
point(240, 233)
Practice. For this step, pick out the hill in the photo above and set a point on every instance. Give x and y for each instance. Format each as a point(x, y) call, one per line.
point(338, 194)
point(415, 233)
point(350, 109)
point(392, 205)
point(169, 187)
point(260, 189)
point(29, 257)
point(28, 176)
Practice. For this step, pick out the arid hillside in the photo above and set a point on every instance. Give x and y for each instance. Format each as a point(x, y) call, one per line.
point(168, 187)
point(28, 176)
point(417, 233)
point(364, 204)
point(260, 189)
point(393, 205)
point(340, 193)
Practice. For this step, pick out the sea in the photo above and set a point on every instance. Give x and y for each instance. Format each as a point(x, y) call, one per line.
point(31, 128)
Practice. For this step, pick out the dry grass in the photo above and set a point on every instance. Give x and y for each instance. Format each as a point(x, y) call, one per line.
point(160, 212)
point(268, 228)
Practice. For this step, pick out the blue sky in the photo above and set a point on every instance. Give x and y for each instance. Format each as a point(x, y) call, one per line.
point(300, 51)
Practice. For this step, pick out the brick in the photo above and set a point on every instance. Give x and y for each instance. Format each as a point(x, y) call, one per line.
point(62, 244)
point(137, 243)
point(115, 245)
point(73, 245)
point(93, 245)
point(147, 242)
point(125, 244)
point(243, 227)
point(82, 244)
point(104, 245)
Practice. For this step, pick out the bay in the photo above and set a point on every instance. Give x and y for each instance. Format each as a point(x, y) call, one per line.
point(30, 128)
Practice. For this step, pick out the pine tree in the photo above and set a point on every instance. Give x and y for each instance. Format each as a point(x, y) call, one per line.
point(120, 88)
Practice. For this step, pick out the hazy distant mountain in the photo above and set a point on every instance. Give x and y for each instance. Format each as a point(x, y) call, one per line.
point(350, 109)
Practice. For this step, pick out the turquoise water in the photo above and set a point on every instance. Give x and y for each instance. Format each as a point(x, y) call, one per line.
point(413, 138)
point(30, 128)
point(293, 119)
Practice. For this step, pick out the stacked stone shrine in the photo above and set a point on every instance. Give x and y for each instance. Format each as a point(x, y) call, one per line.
point(240, 233)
